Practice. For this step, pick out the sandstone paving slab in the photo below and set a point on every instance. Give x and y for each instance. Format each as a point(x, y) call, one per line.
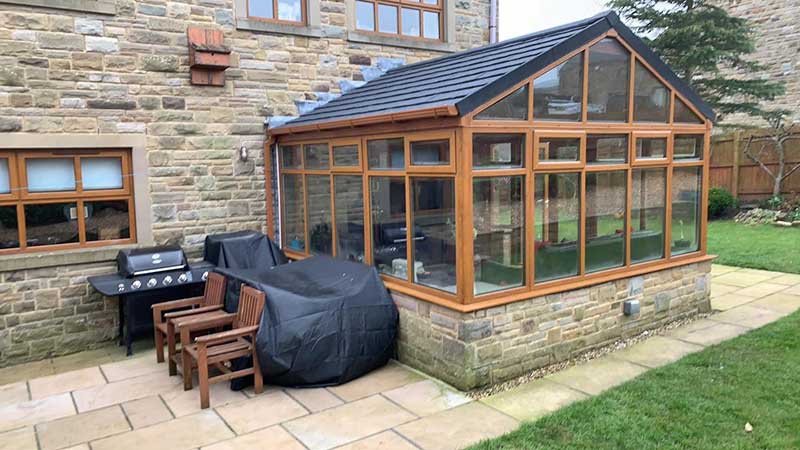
point(274, 437)
point(146, 411)
point(133, 367)
point(728, 301)
point(690, 328)
point(741, 278)
point(458, 427)
point(761, 272)
point(126, 390)
point(718, 289)
point(388, 440)
point(657, 351)
point(748, 316)
point(262, 411)
point(19, 439)
point(388, 377)
point(82, 428)
point(66, 382)
point(598, 375)
point(32, 412)
point(13, 393)
point(789, 279)
point(719, 269)
point(535, 399)
point(183, 403)
point(189, 432)
point(426, 397)
point(81, 360)
point(780, 302)
point(21, 372)
point(711, 335)
point(315, 399)
point(794, 290)
point(347, 423)
point(761, 289)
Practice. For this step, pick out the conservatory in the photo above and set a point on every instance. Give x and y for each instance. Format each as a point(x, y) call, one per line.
point(517, 198)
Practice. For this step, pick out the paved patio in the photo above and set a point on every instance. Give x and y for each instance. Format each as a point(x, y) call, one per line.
point(102, 399)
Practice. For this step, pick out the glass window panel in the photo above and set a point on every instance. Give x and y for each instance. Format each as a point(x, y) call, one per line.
point(609, 72)
point(651, 148)
point(686, 196)
point(387, 19)
point(434, 225)
point(386, 154)
point(320, 231)
point(260, 8)
point(557, 211)
point(607, 149)
point(294, 216)
point(647, 214)
point(5, 177)
point(9, 227)
point(101, 173)
point(512, 107)
point(410, 22)
point(365, 16)
point(431, 25)
point(51, 224)
point(559, 149)
point(688, 146)
point(316, 156)
point(290, 157)
point(389, 231)
point(497, 151)
point(558, 94)
point(650, 98)
point(606, 194)
point(345, 156)
point(430, 2)
point(498, 218)
point(683, 114)
point(430, 153)
point(349, 198)
point(107, 220)
point(291, 10)
point(50, 174)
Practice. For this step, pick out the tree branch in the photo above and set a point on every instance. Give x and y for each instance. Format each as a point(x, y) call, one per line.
point(755, 159)
point(791, 171)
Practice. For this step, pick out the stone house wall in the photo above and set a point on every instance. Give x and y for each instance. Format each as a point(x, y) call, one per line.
point(93, 73)
point(490, 346)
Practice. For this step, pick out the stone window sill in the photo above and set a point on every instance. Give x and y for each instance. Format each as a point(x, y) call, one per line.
point(369, 38)
point(24, 261)
point(107, 7)
point(282, 28)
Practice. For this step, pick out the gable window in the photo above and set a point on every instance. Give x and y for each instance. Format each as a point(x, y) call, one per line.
point(291, 11)
point(651, 97)
point(512, 107)
point(609, 72)
point(558, 94)
point(420, 19)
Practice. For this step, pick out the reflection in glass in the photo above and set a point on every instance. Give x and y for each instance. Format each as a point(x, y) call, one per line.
point(559, 149)
point(386, 154)
point(387, 19)
point(647, 214)
point(260, 8)
point(497, 151)
point(607, 149)
point(365, 16)
point(316, 156)
point(389, 231)
point(683, 114)
point(609, 72)
point(431, 25)
point(107, 220)
point(513, 107)
point(430, 153)
point(651, 148)
point(51, 224)
point(349, 199)
point(688, 146)
point(320, 232)
point(9, 227)
point(650, 98)
point(558, 94)
point(290, 10)
point(5, 177)
point(557, 211)
point(434, 231)
point(50, 174)
point(290, 157)
point(498, 218)
point(410, 22)
point(294, 219)
point(101, 173)
point(686, 197)
point(606, 194)
point(345, 156)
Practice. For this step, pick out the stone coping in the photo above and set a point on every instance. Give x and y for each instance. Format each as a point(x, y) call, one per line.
point(369, 38)
point(24, 261)
point(271, 27)
point(107, 7)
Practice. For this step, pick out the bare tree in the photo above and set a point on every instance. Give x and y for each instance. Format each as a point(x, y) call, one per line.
point(773, 143)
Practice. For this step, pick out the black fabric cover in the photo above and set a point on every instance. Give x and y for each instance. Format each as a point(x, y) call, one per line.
point(325, 321)
point(242, 250)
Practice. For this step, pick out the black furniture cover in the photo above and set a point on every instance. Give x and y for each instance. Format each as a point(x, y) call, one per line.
point(325, 322)
point(242, 250)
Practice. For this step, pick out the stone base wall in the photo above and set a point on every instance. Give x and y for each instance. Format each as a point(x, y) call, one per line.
point(470, 350)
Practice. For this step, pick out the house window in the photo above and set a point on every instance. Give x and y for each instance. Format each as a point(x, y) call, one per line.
point(65, 199)
point(420, 19)
point(290, 11)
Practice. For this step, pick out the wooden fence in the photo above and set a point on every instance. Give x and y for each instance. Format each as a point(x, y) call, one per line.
point(733, 170)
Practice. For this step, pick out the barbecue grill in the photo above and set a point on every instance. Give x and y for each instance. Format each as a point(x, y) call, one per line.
point(147, 276)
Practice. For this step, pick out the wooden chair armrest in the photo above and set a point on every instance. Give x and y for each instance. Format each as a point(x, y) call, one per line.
point(189, 312)
point(201, 324)
point(175, 304)
point(225, 336)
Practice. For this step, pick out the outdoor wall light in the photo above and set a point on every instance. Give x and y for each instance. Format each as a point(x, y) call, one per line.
point(243, 153)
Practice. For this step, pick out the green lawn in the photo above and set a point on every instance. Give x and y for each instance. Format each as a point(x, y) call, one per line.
point(758, 247)
point(701, 402)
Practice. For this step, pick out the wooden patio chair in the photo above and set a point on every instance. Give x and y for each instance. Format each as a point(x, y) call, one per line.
point(210, 304)
point(218, 350)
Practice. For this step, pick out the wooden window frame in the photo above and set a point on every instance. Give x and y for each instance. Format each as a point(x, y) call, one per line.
point(408, 4)
point(432, 136)
point(303, 13)
point(644, 162)
point(559, 165)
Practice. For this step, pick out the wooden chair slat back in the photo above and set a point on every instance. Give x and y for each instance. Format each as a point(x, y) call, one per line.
point(251, 305)
point(214, 293)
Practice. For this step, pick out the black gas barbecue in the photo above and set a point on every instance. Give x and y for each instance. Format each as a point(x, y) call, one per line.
point(147, 276)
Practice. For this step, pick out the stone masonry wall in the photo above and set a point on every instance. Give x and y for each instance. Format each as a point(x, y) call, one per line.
point(490, 346)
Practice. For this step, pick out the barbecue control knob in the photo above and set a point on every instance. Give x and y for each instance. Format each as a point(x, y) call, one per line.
point(136, 284)
point(120, 287)
point(167, 280)
point(152, 282)
point(182, 278)
point(205, 276)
